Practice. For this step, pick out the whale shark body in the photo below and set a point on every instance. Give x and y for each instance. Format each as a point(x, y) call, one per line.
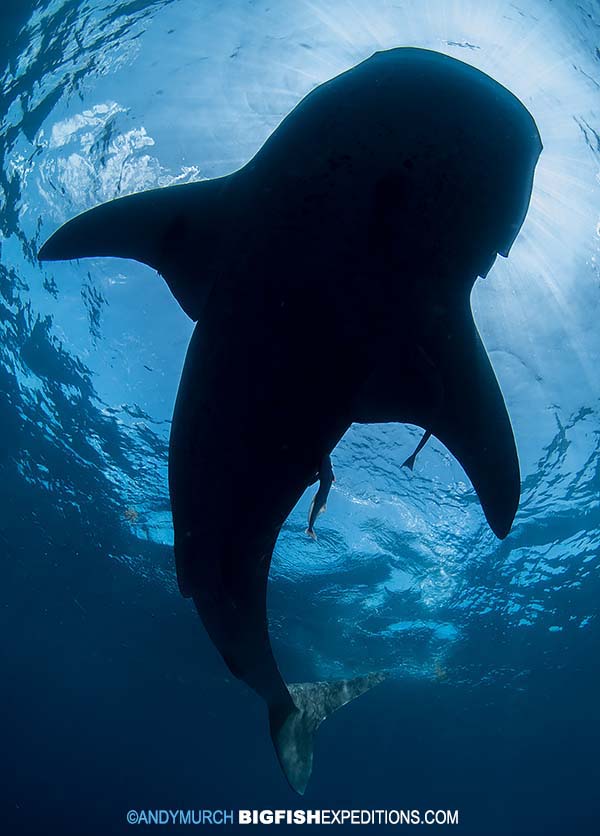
point(330, 279)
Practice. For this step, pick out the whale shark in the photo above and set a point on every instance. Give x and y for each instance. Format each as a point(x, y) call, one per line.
point(330, 280)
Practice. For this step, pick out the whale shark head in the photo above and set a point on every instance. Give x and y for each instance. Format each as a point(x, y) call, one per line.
point(432, 156)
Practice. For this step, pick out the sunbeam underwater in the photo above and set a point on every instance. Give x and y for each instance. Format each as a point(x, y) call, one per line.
point(114, 697)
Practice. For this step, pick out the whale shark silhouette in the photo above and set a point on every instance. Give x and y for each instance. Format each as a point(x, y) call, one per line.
point(330, 278)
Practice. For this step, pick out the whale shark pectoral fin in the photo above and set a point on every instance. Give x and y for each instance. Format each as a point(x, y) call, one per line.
point(474, 425)
point(174, 230)
point(293, 731)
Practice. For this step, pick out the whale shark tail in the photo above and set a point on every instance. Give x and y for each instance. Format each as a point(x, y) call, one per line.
point(293, 732)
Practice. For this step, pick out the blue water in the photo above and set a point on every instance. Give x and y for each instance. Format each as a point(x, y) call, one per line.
point(112, 697)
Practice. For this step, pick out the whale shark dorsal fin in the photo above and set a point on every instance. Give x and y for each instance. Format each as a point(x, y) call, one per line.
point(169, 229)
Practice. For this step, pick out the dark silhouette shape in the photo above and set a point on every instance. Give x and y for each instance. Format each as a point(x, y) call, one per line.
point(366, 217)
point(319, 501)
point(410, 461)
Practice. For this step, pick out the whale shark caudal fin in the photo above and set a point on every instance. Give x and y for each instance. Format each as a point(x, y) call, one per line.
point(169, 229)
point(293, 732)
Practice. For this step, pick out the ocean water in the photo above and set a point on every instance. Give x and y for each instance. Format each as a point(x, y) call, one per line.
point(112, 697)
